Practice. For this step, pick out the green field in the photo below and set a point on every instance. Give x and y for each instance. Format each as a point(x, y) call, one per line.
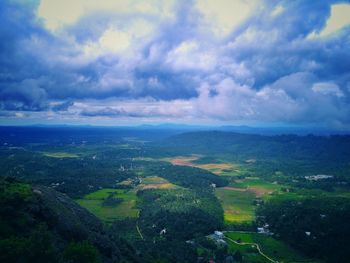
point(216, 166)
point(274, 249)
point(309, 193)
point(249, 182)
point(238, 205)
point(150, 182)
point(236, 170)
point(126, 209)
point(238, 199)
point(156, 182)
point(60, 154)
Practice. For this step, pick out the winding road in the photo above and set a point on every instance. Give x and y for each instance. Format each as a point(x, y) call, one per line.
point(138, 230)
point(137, 225)
point(254, 245)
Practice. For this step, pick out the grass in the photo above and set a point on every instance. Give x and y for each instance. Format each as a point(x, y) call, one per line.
point(126, 209)
point(270, 246)
point(258, 186)
point(182, 160)
point(127, 182)
point(60, 155)
point(235, 170)
point(155, 182)
point(298, 194)
point(238, 200)
point(218, 168)
point(238, 205)
point(257, 182)
point(226, 169)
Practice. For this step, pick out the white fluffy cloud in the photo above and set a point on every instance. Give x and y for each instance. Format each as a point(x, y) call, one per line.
point(339, 18)
point(222, 16)
point(278, 10)
point(227, 100)
point(200, 60)
point(327, 88)
point(58, 14)
point(189, 55)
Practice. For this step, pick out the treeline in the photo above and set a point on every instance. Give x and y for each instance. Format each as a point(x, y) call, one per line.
point(294, 156)
point(185, 176)
point(74, 176)
point(19, 136)
point(334, 147)
point(319, 226)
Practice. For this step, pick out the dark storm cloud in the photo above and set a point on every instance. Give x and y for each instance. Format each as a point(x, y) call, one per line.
point(21, 81)
point(274, 66)
point(273, 47)
point(121, 112)
point(62, 106)
point(106, 112)
point(27, 95)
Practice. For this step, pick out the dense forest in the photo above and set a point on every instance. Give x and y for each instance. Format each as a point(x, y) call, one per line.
point(39, 224)
point(170, 192)
point(296, 156)
point(317, 226)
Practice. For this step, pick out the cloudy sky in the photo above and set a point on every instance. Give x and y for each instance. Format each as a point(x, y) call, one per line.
point(120, 62)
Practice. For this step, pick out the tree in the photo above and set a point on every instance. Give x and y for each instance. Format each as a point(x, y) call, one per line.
point(238, 256)
point(81, 252)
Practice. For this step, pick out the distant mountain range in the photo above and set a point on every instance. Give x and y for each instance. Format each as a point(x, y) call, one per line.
point(263, 130)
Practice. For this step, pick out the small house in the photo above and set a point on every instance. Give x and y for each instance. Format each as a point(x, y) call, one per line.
point(218, 234)
point(163, 232)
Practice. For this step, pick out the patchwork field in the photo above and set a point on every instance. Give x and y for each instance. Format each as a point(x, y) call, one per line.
point(155, 182)
point(149, 182)
point(237, 204)
point(257, 186)
point(224, 169)
point(238, 198)
point(126, 209)
point(272, 248)
point(182, 160)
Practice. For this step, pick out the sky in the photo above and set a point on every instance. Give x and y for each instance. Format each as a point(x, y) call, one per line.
point(209, 62)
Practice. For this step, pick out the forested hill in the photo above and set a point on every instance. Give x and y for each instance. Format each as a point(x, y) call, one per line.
point(250, 145)
point(39, 224)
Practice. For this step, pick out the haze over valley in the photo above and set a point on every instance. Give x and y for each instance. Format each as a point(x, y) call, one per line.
point(171, 131)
